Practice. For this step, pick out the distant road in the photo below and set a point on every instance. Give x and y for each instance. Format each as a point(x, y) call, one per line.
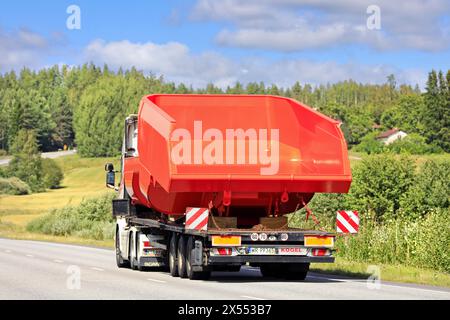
point(47, 155)
point(41, 270)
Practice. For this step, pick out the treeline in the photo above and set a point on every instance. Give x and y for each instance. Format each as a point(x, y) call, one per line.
point(85, 106)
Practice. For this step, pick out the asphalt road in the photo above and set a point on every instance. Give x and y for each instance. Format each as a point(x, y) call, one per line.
point(48, 155)
point(40, 270)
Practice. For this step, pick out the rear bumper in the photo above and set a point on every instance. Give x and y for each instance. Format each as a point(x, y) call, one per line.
point(217, 260)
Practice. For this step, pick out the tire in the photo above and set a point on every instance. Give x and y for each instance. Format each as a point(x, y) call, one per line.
point(234, 268)
point(173, 264)
point(181, 257)
point(269, 271)
point(131, 253)
point(121, 263)
point(194, 275)
point(297, 271)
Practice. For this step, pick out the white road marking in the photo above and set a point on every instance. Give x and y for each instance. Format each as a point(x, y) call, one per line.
point(97, 269)
point(407, 287)
point(250, 297)
point(331, 279)
point(58, 261)
point(382, 284)
point(8, 251)
point(30, 256)
point(159, 281)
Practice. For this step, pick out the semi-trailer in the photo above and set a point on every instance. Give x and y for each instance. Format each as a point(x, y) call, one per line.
point(207, 180)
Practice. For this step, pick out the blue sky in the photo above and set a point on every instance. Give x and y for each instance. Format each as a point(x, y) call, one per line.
point(223, 41)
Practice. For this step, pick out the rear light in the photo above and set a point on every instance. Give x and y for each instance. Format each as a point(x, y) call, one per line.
point(222, 252)
point(319, 241)
point(320, 252)
point(147, 244)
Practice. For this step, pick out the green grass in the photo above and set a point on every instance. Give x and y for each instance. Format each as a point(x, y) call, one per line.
point(83, 178)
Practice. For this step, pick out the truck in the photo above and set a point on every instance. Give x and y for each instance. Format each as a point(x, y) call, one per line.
point(206, 182)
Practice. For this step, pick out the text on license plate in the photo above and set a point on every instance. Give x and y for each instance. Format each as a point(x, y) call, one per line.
point(262, 251)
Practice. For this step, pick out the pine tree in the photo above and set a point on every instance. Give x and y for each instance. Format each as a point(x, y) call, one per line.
point(27, 163)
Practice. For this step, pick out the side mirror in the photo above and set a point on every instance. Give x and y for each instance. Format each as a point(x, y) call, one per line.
point(110, 175)
point(111, 179)
point(109, 167)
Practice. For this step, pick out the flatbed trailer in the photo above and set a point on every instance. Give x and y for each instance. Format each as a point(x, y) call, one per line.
point(143, 243)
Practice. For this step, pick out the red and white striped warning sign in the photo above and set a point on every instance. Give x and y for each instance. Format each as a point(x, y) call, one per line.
point(347, 221)
point(197, 218)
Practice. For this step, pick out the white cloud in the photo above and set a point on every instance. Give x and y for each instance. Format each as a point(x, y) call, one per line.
point(171, 59)
point(292, 25)
point(177, 63)
point(21, 48)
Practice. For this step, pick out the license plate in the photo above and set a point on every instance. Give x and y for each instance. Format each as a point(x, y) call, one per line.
point(262, 251)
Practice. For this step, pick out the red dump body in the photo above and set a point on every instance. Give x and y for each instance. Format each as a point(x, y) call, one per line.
point(191, 153)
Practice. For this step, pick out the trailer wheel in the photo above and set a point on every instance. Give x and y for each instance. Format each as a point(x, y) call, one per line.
point(181, 257)
point(132, 252)
point(173, 264)
point(297, 271)
point(270, 271)
point(194, 275)
point(121, 263)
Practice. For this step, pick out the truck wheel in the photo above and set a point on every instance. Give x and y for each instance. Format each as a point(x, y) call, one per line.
point(297, 271)
point(121, 263)
point(181, 257)
point(132, 254)
point(173, 265)
point(194, 275)
point(269, 271)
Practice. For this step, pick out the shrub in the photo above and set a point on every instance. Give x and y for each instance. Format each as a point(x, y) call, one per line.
point(431, 189)
point(369, 144)
point(421, 243)
point(3, 153)
point(379, 183)
point(51, 173)
point(13, 186)
point(412, 144)
point(90, 219)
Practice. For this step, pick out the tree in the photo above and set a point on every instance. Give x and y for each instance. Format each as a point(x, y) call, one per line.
point(27, 163)
point(437, 110)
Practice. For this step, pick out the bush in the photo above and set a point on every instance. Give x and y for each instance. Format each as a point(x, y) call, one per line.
point(412, 144)
point(422, 243)
point(13, 186)
point(379, 183)
point(431, 190)
point(91, 219)
point(52, 174)
point(369, 144)
point(3, 153)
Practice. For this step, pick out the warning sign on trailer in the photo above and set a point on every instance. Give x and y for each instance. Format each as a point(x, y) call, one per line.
point(347, 221)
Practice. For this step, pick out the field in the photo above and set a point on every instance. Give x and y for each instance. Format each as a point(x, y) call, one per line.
point(83, 178)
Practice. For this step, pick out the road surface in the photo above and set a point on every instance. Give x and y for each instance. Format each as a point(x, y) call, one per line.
point(48, 155)
point(41, 270)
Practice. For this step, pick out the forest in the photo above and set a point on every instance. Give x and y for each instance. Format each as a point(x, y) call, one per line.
point(84, 107)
